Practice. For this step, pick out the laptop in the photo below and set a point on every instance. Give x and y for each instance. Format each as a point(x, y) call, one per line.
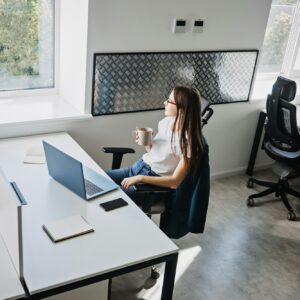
point(71, 173)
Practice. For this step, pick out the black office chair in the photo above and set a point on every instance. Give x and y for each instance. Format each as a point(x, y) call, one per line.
point(157, 197)
point(179, 208)
point(281, 143)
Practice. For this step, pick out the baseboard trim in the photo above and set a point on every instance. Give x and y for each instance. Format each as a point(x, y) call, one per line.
point(238, 171)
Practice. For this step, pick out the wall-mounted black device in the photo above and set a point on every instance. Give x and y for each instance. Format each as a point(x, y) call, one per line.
point(198, 26)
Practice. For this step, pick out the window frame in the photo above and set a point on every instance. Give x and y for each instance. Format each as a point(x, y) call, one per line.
point(292, 46)
point(288, 59)
point(42, 91)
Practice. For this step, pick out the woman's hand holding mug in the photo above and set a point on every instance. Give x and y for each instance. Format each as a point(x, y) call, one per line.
point(143, 136)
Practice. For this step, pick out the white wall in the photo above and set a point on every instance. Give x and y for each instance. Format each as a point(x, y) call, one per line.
point(73, 24)
point(144, 25)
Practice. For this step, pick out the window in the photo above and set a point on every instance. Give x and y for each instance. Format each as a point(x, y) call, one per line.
point(26, 44)
point(281, 52)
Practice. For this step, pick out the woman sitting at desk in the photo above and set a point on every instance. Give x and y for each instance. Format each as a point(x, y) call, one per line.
point(176, 149)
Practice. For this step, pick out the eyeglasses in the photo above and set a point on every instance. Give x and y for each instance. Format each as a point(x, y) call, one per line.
point(170, 102)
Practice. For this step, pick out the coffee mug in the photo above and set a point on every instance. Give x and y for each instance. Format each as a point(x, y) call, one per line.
point(143, 136)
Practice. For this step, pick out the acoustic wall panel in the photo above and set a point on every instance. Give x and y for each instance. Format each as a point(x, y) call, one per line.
point(129, 82)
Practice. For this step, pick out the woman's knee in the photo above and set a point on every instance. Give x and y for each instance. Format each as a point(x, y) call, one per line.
point(117, 175)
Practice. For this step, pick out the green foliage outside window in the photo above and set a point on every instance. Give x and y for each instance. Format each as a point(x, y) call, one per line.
point(277, 34)
point(276, 40)
point(19, 37)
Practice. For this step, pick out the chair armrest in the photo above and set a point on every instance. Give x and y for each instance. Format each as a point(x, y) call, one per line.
point(117, 153)
point(117, 150)
point(155, 197)
point(206, 116)
point(148, 188)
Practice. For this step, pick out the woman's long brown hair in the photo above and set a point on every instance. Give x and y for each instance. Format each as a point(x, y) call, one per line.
point(188, 124)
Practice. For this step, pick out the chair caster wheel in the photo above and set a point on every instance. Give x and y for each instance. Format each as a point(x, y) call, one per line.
point(155, 273)
point(250, 202)
point(291, 216)
point(250, 183)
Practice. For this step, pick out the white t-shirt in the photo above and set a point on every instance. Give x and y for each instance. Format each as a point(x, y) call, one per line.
point(163, 158)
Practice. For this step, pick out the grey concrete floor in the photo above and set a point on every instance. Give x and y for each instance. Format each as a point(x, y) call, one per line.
point(245, 253)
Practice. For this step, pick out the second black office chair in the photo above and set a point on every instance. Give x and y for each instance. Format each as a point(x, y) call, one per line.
point(281, 143)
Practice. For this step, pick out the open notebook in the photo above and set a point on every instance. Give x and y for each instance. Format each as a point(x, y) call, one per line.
point(67, 228)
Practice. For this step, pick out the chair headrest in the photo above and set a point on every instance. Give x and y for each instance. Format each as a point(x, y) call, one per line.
point(287, 88)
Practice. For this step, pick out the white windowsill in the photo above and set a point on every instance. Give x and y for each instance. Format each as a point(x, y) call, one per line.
point(37, 110)
point(263, 86)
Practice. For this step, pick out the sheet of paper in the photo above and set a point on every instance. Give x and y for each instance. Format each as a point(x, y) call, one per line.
point(35, 155)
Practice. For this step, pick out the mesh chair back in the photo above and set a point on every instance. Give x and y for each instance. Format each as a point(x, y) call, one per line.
point(281, 129)
point(288, 118)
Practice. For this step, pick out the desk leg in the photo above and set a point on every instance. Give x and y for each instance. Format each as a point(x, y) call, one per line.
point(258, 132)
point(109, 289)
point(169, 278)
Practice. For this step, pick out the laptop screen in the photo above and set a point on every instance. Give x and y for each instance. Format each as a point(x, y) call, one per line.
point(65, 169)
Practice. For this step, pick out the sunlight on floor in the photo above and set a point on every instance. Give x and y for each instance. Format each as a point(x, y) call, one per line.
point(279, 229)
point(186, 257)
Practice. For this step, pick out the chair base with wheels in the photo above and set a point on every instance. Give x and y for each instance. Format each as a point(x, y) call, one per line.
point(280, 188)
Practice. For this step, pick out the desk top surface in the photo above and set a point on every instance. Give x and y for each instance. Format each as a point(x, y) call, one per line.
point(10, 285)
point(122, 237)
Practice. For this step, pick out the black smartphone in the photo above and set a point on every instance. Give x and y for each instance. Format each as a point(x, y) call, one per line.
point(113, 204)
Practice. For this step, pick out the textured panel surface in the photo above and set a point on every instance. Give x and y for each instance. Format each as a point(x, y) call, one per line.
point(126, 82)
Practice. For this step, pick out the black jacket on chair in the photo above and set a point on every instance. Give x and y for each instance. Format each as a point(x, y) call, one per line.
point(187, 209)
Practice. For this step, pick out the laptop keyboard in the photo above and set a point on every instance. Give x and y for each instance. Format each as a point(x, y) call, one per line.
point(91, 188)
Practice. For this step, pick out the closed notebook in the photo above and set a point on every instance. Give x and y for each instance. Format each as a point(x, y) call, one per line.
point(67, 228)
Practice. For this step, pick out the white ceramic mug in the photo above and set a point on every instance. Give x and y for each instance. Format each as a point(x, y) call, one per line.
point(143, 136)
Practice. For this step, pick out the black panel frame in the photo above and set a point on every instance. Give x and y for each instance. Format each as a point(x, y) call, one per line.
point(168, 52)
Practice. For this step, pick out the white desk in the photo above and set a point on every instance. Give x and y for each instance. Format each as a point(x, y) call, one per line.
point(10, 285)
point(124, 240)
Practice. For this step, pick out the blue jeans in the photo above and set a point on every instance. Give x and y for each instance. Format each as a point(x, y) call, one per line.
point(138, 168)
